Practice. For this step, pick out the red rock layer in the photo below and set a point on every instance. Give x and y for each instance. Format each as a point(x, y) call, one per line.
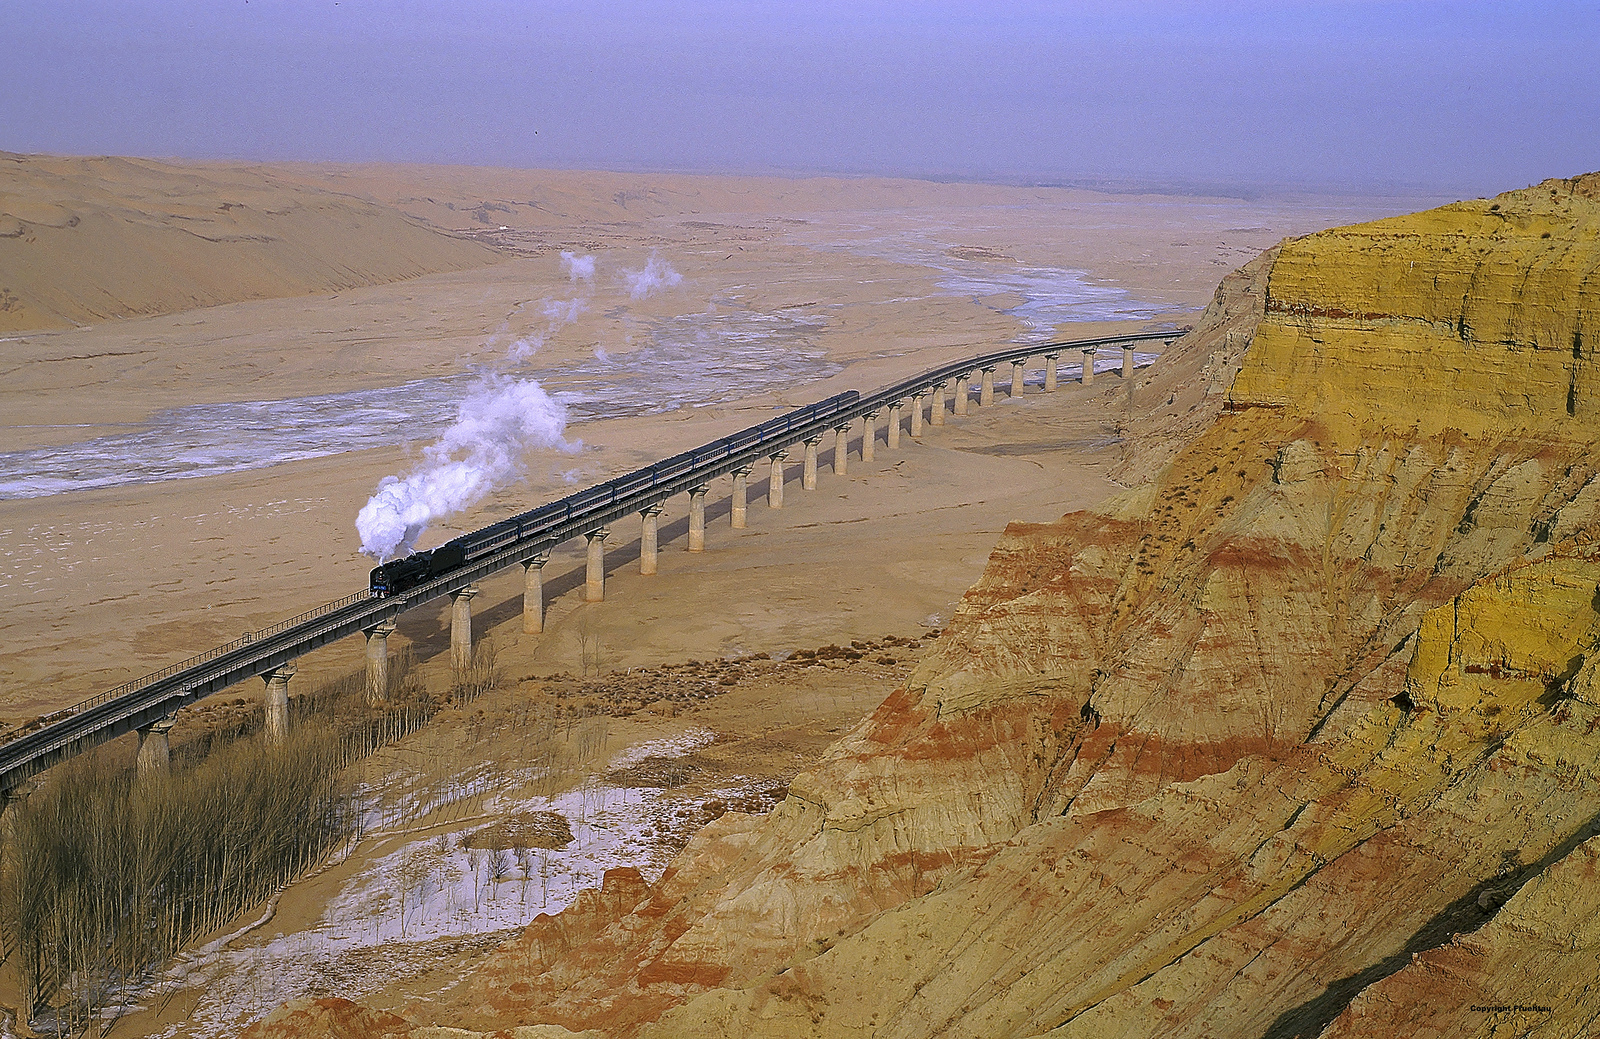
point(333, 1018)
point(1218, 757)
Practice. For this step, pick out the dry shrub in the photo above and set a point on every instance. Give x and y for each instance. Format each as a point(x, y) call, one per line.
point(549, 830)
point(105, 876)
point(342, 705)
point(661, 773)
point(479, 677)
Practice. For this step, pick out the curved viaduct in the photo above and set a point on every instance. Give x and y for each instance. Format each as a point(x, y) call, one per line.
point(147, 704)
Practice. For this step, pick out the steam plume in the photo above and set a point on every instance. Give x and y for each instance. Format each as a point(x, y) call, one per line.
point(501, 420)
point(656, 276)
point(578, 268)
point(494, 426)
point(525, 348)
point(564, 311)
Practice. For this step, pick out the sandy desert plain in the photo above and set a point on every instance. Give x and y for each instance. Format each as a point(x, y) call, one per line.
point(173, 474)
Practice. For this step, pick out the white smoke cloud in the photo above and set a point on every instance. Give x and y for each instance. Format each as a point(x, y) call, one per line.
point(578, 268)
point(564, 311)
point(499, 422)
point(558, 312)
point(495, 426)
point(524, 348)
point(656, 276)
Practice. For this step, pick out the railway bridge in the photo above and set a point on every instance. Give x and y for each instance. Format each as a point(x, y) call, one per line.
point(147, 704)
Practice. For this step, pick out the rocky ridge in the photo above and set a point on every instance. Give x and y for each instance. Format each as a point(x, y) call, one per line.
point(1266, 746)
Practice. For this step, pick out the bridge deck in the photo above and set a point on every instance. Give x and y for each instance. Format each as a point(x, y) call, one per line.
point(143, 701)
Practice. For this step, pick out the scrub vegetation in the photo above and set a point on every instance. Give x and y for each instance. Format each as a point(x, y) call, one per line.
point(106, 875)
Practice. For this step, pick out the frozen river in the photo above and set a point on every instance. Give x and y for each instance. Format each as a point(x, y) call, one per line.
point(693, 360)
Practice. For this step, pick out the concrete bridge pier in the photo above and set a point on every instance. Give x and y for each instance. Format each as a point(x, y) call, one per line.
point(916, 414)
point(963, 391)
point(1127, 361)
point(808, 475)
point(869, 435)
point(986, 389)
point(775, 481)
point(154, 754)
point(894, 426)
point(841, 450)
point(649, 538)
point(278, 703)
point(461, 627)
point(936, 412)
point(378, 662)
point(594, 575)
point(1051, 374)
point(741, 497)
point(697, 518)
point(533, 593)
point(1088, 365)
point(1018, 371)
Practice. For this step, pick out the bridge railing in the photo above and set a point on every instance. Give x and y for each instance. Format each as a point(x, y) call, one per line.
point(546, 521)
point(249, 638)
point(535, 524)
point(542, 524)
point(926, 380)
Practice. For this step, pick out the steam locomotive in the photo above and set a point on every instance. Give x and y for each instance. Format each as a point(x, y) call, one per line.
point(399, 575)
point(554, 519)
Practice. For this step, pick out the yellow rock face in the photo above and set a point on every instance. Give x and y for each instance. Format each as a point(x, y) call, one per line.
point(1476, 317)
point(1236, 904)
point(1291, 741)
point(1380, 545)
point(1502, 644)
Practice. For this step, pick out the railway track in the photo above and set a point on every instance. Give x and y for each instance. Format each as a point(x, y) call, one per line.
point(134, 705)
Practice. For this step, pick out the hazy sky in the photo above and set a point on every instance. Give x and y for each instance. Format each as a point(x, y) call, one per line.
point(1465, 96)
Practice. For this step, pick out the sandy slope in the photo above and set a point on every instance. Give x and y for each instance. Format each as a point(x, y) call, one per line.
point(87, 239)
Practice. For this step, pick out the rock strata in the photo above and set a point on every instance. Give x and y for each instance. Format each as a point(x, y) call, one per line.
point(1263, 747)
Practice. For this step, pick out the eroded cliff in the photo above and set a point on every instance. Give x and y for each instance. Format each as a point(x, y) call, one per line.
point(1249, 751)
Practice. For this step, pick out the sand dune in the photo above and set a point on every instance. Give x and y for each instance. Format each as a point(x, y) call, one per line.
point(86, 239)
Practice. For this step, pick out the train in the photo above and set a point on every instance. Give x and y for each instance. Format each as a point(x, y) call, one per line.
point(550, 522)
point(400, 575)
